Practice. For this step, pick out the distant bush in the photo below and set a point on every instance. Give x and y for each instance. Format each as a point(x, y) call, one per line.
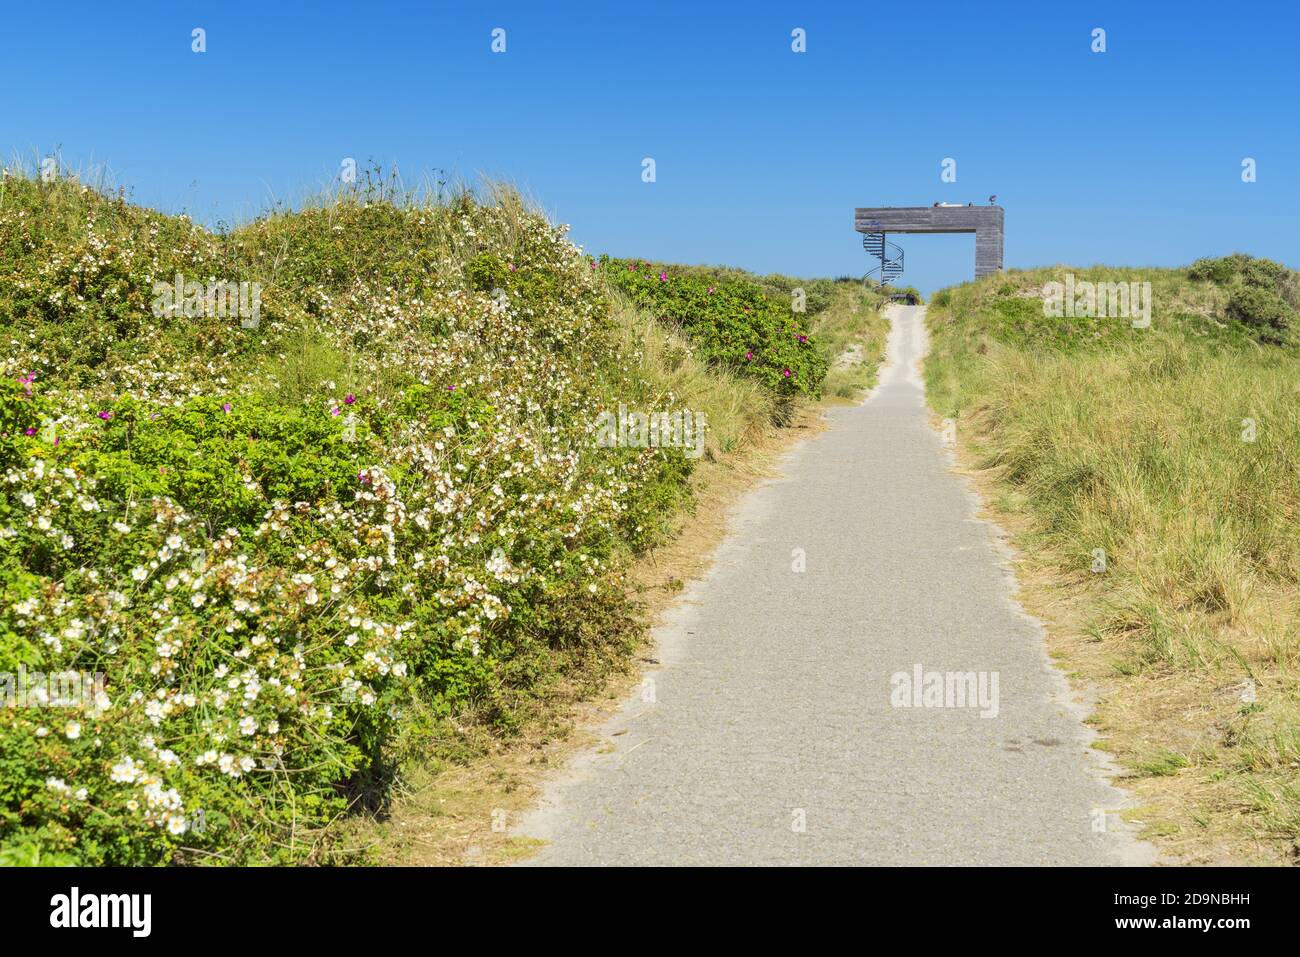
point(1263, 310)
point(1264, 295)
point(1221, 271)
point(1264, 273)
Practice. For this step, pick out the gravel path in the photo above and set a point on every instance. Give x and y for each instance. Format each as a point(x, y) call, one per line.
point(777, 732)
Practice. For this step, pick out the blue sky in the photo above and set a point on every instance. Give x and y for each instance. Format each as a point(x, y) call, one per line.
point(1132, 156)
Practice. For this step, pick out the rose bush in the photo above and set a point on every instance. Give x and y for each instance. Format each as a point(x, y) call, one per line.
point(731, 321)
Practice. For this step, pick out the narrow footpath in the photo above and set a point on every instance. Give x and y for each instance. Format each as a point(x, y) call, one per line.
point(783, 724)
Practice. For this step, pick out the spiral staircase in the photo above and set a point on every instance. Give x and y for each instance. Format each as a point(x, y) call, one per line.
point(889, 254)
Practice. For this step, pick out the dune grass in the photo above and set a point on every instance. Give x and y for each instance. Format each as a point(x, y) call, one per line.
point(1152, 477)
point(852, 331)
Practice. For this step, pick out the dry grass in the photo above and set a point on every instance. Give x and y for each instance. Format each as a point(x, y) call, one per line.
point(738, 410)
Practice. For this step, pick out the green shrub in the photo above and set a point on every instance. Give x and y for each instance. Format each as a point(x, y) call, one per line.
point(1264, 295)
point(732, 323)
point(1221, 271)
point(1263, 310)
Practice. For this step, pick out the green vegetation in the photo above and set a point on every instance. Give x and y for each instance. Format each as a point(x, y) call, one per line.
point(827, 332)
point(301, 545)
point(733, 322)
point(1153, 476)
point(1263, 295)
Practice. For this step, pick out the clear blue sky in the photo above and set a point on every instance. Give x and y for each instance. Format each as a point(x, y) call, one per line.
point(1132, 156)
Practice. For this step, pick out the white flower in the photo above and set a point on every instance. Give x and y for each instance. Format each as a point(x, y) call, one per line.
point(28, 499)
point(139, 573)
point(126, 771)
point(72, 731)
point(121, 527)
point(247, 726)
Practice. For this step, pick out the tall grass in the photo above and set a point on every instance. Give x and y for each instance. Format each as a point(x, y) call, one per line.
point(851, 331)
point(1176, 450)
point(737, 409)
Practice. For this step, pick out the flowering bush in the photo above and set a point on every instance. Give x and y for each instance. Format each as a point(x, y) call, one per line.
point(279, 544)
point(732, 321)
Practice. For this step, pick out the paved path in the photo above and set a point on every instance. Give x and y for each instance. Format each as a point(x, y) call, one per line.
point(771, 737)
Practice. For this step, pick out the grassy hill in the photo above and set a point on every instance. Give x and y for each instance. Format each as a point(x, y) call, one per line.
point(1152, 477)
point(308, 536)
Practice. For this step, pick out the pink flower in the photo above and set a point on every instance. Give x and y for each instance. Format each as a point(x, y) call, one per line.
point(710, 290)
point(363, 478)
point(802, 338)
point(451, 388)
point(31, 431)
point(336, 411)
point(749, 356)
point(663, 277)
point(106, 415)
point(512, 267)
point(786, 373)
point(225, 407)
point(349, 399)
